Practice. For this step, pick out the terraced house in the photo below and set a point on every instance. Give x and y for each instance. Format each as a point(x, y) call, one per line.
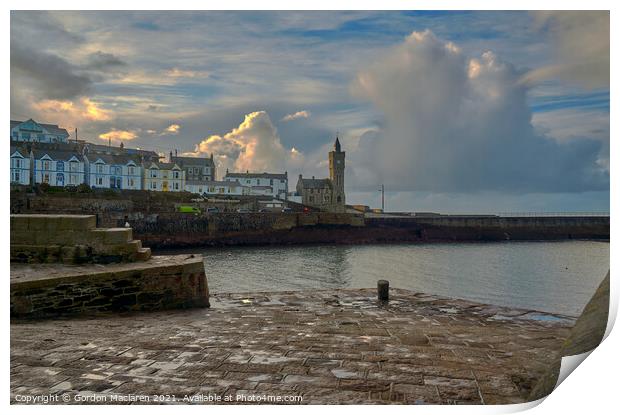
point(20, 165)
point(197, 169)
point(58, 166)
point(114, 171)
point(163, 177)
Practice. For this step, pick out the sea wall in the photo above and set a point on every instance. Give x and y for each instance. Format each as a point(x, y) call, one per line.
point(155, 220)
point(164, 282)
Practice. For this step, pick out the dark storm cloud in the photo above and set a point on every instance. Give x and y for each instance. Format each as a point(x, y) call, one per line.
point(101, 61)
point(53, 76)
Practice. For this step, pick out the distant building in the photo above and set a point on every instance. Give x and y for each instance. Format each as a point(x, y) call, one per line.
point(34, 132)
point(58, 165)
point(20, 165)
point(138, 154)
point(326, 194)
point(163, 177)
point(216, 188)
point(260, 182)
point(196, 168)
point(113, 171)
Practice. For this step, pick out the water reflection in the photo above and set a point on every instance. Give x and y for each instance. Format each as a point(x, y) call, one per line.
point(548, 276)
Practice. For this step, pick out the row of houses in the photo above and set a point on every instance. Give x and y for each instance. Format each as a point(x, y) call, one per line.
point(38, 158)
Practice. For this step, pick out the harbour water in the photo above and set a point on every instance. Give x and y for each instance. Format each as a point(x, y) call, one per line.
point(557, 277)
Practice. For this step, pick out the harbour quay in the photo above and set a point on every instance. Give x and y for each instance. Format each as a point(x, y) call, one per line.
point(326, 346)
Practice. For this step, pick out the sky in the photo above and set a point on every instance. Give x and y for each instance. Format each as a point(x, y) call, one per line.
point(454, 112)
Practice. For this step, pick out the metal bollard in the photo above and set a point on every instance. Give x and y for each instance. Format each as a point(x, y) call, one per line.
point(383, 290)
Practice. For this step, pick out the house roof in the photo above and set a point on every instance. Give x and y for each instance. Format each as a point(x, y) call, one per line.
point(22, 150)
point(50, 128)
point(105, 149)
point(193, 161)
point(315, 183)
point(56, 154)
point(121, 159)
point(249, 175)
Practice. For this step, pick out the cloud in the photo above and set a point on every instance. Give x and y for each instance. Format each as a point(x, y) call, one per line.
point(118, 135)
point(581, 45)
point(184, 73)
point(459, 124)
point(52, 76)
point(172, 129)
point(72, 110)
point(254, 145)
point(104, 61)
point(298, 114)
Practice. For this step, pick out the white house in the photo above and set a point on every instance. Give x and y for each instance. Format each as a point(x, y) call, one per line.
point(32, 131)
point(216, 188)
point(276, 181)
point(58, 166)
point(20, 165)
point(113, 171)
point(163, 177)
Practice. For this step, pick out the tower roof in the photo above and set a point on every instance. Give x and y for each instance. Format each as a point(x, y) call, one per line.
point(337, 145)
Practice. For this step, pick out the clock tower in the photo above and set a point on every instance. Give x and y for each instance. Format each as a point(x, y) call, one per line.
point(336, 175)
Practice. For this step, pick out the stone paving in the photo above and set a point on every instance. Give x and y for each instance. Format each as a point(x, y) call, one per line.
point(328, 347)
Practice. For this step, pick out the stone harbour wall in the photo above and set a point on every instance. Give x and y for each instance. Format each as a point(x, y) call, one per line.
point(163, 282)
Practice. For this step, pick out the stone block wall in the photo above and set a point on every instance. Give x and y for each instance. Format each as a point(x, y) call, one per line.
point(168, 282)
point(71, 239)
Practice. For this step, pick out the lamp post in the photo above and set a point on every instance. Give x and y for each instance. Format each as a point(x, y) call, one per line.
point(382, 190)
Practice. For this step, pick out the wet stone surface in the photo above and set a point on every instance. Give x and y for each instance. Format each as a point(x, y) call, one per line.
point(338, 347)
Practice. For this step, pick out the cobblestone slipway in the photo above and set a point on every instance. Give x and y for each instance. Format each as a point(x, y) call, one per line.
point(338, 347)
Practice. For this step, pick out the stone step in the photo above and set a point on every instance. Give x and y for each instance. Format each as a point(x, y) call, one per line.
point(111, 236)
point(143, 254)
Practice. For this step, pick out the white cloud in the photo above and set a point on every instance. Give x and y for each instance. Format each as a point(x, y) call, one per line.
point(255, 146)
point(458, 124)
point(172, 129)
point(118, 136)
point(296, 115)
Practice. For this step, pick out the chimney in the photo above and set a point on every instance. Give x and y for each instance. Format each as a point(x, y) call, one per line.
point(175, 152)
point(170, 156)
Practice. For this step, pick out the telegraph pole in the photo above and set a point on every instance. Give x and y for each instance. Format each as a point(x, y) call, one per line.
point(382, 190)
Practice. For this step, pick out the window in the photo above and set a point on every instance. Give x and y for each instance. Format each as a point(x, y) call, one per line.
point(176, 174)
point(46, 165)
point(46, 178)
point(176, 186)
point(17, 163)
point(99, 168)
point(100, 181)
point(153, 172)
point(132, 170)
point(271, 182)
point(15, 135)
point(16, 176)
point(60, 166)
point(130, 182)
point(26, 136)
point(73, 166)
point(72, 179)
point(153, 185)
